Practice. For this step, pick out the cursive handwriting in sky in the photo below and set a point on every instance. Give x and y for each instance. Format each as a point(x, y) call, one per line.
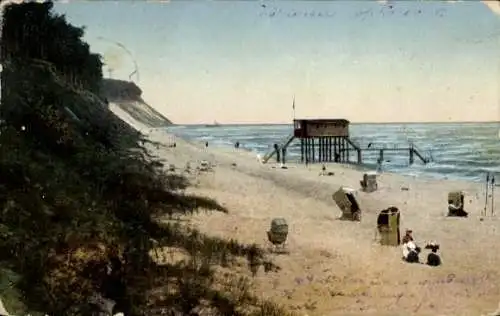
point(243, 61)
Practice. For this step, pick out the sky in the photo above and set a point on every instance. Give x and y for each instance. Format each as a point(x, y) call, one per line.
point(245, 61)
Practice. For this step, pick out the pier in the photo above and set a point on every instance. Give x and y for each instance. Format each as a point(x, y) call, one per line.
point(411, 149)
point(327, 140)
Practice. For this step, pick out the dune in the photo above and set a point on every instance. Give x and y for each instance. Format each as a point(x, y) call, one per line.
point(338, 267)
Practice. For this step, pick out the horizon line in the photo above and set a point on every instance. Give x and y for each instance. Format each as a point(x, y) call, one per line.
point(353, 123)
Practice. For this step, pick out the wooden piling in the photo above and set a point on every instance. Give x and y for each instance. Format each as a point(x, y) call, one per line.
point(307, 150)
point(329, 149)
point(325, 145)
point(302, 150)
point(320, 144)
point(342, 150)
point(348, 156)
point(313, 150)
point(325, 155)
point(336, 148)
point(321, 147)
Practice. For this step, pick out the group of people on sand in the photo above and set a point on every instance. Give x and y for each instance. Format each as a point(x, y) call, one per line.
point(411, 251)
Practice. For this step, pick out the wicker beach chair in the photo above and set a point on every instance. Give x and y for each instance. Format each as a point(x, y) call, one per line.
point(456, 204)
point(346, 201)
point(388, 224)
point(278, 233)
point(369, 182)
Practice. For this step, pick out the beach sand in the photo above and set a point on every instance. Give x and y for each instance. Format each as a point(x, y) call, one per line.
point(338, 267)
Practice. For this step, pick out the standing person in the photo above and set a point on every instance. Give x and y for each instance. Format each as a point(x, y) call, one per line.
point(323, 171)
point(379, 165)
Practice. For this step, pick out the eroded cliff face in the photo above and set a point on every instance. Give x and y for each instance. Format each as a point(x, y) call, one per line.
point(116, 90)
point(125, 96)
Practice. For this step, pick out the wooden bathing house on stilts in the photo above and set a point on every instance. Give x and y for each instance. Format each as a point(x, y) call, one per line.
point(321, 140)
point(327, 140)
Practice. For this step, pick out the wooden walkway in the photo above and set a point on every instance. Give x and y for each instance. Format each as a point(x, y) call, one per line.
point(411, 149)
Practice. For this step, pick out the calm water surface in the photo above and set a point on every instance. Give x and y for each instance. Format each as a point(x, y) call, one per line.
point(459, 150)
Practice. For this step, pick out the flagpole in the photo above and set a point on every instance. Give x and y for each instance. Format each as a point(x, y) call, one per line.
point(293, 107)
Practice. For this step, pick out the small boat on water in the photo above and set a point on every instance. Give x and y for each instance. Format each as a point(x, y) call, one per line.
point(215, 124)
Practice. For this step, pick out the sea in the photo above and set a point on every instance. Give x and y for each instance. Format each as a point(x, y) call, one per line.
point(465, 151)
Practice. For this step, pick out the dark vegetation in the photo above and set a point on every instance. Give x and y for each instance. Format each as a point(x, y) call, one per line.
point(79, 193)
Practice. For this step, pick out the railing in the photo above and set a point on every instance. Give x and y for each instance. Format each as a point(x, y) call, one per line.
point(425, 154)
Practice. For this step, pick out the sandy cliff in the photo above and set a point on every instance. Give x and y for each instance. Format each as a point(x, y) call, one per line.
point(125, 97)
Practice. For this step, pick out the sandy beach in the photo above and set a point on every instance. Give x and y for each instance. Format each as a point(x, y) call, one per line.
point(338, 267)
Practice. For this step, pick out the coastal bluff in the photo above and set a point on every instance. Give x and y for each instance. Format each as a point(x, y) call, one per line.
point(125, 97)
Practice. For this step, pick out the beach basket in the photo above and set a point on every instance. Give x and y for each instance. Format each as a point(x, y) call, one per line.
point(456, 198)
point(278, 232)
point(346, 201)
point(388, 226)
point(369, 182)
point(456, 204)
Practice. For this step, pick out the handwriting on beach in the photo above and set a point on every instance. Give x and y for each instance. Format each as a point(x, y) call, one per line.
point(272, 12)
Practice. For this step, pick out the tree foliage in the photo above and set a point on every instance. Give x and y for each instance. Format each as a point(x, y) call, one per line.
point(80, 194)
